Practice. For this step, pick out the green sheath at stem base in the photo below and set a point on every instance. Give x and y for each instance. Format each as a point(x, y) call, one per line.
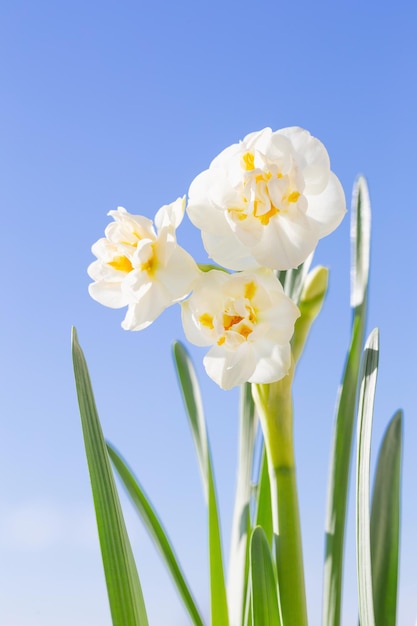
point(274, 406)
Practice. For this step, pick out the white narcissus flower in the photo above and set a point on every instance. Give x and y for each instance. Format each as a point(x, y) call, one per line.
point(138, 267)
point(267, 200)
point(247, 320)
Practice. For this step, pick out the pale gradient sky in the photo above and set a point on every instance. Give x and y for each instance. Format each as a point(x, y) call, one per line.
point(123, 103)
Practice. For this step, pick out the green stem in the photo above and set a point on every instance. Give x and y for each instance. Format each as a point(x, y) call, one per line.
point(274, 405)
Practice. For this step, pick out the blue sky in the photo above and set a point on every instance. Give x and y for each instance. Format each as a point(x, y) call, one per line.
point(107, 104)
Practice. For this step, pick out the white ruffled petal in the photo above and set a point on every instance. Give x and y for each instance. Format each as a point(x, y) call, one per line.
point(229, 369)
point(108, 294)
point(149, 303)
point(228, 251)
point(179, 274)
point(272, 364)
point(287, 242)
point(329, 208)
point(258, 190)
point(170, 215)
point(248, 321)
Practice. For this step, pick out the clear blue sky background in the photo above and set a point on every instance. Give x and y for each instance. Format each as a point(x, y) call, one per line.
point(123, 103)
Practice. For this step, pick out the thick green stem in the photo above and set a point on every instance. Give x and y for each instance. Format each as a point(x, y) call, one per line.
point(289, 548)
point(274, 405)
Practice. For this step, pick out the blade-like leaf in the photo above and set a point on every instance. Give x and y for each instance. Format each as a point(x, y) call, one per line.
point(156, 531)
point(385, 524)
point(369, 371)
point(345, 411)
point(293, 279)
point(241, 529)
point(194, 407)
point(360, 236)
point(192, 400)
point(264, 596)
point(123, 587)
point(263, 516)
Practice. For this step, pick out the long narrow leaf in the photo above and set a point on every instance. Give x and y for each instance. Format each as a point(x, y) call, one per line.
point(345, 412)
point(157, 532)
point(263, 516)
point(194, 407)
point(294, 279)
point(385, 524)
point(192, 400)
point(241, 528)
point(264, 596)
point(369, 371)
point(123, 587)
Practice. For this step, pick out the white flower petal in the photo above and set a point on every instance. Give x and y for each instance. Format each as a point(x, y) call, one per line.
point(170, 215)
point(179, 274)
point(271, 365)
point(312, 157)
point(128, 228)
point(248, 321)
point(228, 251)
point(328, 209)
point(151, 301)
point(229, 369)
point(287, 242)
point(136, 267)
point(108, 294)
point(196, 333)
point(270, 198)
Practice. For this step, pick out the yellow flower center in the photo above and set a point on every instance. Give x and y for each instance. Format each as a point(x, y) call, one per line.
point(121, 263)
point(238, 316)
point(260, 199)
point(149, 265)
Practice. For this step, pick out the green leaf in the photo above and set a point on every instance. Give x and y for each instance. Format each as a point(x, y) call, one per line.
point(265, 609)
point(293, 279)
point(207, 267)
point(263, 514)
point(369, 371)
point(263, 517)
point(314, 290)
point(345, 411)
point(123, 587)
point(193, 404)
point(241, 528)
point(385, 524)
point(360, 236)
point(156, 531)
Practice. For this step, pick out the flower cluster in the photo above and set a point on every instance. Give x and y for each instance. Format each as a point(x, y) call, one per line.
point(262, 205)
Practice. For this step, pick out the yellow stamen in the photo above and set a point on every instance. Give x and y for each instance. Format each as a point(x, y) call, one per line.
point(263, 178)
point(248, 160)
point(221, 341)
point(206, 320)
point(121, 263)
point(239, 213)
point(265, 217)
point(230, 320)
point(148, 266)
point(252, 314)
point(250, 290)
point(245, 331)
point(293, 197)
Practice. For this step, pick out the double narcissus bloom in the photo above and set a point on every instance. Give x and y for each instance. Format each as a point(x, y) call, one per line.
point(267, 200)
point(146, 271)
point(262, 205)
point(247, 320)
